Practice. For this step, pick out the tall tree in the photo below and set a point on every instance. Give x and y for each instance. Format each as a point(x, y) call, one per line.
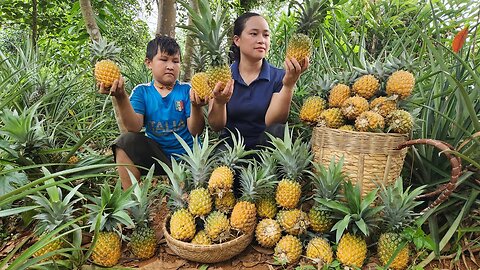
point(166, 17)
point(189, 43)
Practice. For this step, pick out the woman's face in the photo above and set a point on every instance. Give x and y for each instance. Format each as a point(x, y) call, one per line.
point(254, 41)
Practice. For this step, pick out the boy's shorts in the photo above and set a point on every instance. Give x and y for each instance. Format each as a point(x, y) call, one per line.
point(141, 150)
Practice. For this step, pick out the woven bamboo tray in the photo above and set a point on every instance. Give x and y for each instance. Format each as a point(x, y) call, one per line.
point(370, 159)
point(207, 254)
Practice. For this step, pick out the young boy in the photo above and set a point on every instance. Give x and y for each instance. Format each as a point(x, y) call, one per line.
point(164, 107)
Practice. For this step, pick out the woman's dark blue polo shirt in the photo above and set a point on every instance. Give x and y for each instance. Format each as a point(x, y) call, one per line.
point(248, 105)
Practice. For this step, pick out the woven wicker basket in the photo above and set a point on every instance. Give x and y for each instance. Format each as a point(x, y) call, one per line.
point(369, 158)
point(207, 254)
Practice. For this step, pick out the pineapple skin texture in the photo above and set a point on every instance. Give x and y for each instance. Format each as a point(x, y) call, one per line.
point(347, 127)
point(143, 242)
point(387, 244)
point(268, 232)
point(182, 225)
point(218, 74)
point(106, 72)
point(369, 122)
point(200, 85)
point(244, 216)
point(311, 109)
point(366, 86)
point(266, 208)
point(199, 202)
point(288, 194)
point(332, 118)
point(320, 221)
point(226, 203)
point(319, 248)
point(201, 238)
point(288, 249)
point(299, 47)
point(400, 121)
point(221, 180)
point(400, 83)
point(338, 94)
point(352, 250)
point(294, 222)
point(354, 106)
point(383, 106)
point(52, 246)
point(217, 226)
point(107, 249)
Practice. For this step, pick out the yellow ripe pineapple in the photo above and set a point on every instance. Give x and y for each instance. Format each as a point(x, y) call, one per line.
point(347, 127)
point(266, 207)
point(201, 238)
point(199, 202)
point(200, 85)
point(354, 106)
point(217, 227)
point(106, 70)
point(383, 106)
point(400, 83)
point(338, 94)
point(294, 222)
point(107, 207)
point(311, 109)
point(73, 160)
point(210, 31)
point(182, 225)
point(366, 86)
point(288, 250)
point(370, 122)
point(226, 203)
point(400, 121)
point(332, 118)
point(268, 232)
point(320, 220)
point(352, 250)
point(319, 250)
point(299, 47)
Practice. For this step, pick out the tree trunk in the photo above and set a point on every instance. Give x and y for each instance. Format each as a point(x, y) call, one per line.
point(166, 18)
point(34, 23)
point(189, 42)
point(94, 32)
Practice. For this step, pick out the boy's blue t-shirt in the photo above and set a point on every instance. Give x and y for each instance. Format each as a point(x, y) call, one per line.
point(248, 105)
point(164, 115)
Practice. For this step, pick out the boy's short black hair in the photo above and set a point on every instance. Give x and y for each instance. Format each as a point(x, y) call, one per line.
point(165, 44)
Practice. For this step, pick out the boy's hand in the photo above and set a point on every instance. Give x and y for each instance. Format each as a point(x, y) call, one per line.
point(196, 100)
point(116, 90)
point(293, 70)
point(222, 96)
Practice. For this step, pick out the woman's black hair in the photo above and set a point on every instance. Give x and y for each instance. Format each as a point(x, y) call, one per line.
point(238, 27)
point(163, 43)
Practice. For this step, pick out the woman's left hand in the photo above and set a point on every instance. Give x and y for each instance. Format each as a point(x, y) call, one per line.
point(196, 100)
point(293, 70)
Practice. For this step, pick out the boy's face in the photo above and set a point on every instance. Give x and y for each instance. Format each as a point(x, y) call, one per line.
point(165, 68)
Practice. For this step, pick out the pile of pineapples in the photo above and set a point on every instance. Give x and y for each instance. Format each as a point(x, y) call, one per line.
point(363, 104)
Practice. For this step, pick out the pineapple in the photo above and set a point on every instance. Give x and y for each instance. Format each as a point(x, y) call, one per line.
point(207, 27)
point(106, 70)
point(370, 122)
point(226, 203)
point(319, 250)
point(143, 240)
point(354, 106)
point(293, 159)
point(366, 86)
point(327, 183)
point(255, 182)
point(268, 232)
point(200, 85)
point(396, 216)
point(338, 94)
point(288, 250)
point(357, 217)
point(217, 227)
point(182, 223)
point(266, 207)
point(201, 238)
point(53, 212)
point(299, 47)
point(311, 109)
point(109, 210)
point(400, 121)
point(332, 118)
point(383, 105)
point(294, 222)
point(347, 127)
point(400, 83)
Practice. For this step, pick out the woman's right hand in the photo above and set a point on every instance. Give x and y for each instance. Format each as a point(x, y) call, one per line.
point(222, 96)
point(116, 90)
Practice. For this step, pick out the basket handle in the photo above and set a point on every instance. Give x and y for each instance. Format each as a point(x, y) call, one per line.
point(455, 162)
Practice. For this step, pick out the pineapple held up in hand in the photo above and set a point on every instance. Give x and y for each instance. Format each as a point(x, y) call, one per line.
point(106, 70)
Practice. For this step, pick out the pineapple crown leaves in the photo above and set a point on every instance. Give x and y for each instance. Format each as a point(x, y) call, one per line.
point(198, 160)
point(393, 63)
point(327, 182)
point(208, 29)
point(323, 85)
point(143, 195)
point(346, 77)
point(109, 209)
point(255, 182)
point(356, 215)
point(293, 157)
point(399, 203)
point(376, 68)
point(233, 155)
point(310, 14)
point(55, 210)
point(178, 179)
point(268, 161)
point(102, 49)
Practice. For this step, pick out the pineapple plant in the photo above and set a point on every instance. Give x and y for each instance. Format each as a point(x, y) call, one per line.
point(53, 211)
point(327, 183)
point(311, 109)
point(400, 121)
point(207, 27)
point(106, 70)
point(396, 216)
point(400, 83)
point(288, 250)
point(357, 218)
point(293, 159)
point(266, 205)
point(332, 118)
point(268, 232)
point(143, 240)
point(370, 122)
point(200, 85)
point(352, 107)
point(108, 212)
point(319, 250)
point(255, 182)
point(217, 227)
point(338, 94)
